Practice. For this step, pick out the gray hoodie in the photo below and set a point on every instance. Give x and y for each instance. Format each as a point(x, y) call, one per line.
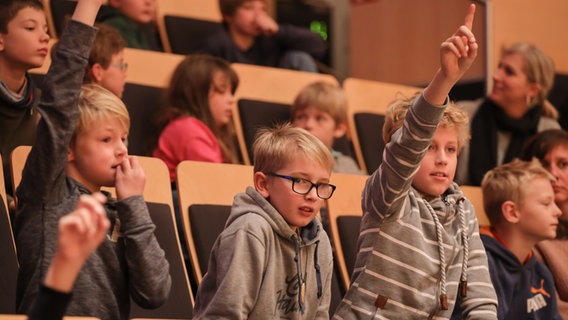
point(255, 264)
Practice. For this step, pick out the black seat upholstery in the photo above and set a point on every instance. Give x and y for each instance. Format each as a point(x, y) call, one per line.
point(144, 104)
point(369, 128)
point(348, 228)
point(207, 222)
point(186, 35)
point(255, 114)
point(180, 302)
point(8, 264)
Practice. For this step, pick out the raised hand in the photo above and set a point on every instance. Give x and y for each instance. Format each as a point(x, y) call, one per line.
point(459, 51)
point(130, 178)
point(457, 54)
point(86, 11)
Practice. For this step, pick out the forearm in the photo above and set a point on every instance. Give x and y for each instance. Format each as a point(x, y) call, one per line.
point(59, 112)
point(150, 281)
point(439, 88)
point(86, 11)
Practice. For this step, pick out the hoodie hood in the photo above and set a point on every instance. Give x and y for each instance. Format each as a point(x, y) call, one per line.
point(507, 258)
point(252, 202)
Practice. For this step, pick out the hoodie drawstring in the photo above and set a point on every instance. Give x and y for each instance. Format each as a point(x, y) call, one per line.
point(299, 273)
point(443, 273)
point(465, 240)
point(318, 273)
point(443, 295)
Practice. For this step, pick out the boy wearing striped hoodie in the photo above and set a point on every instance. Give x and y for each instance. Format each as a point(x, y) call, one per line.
point(419, 246)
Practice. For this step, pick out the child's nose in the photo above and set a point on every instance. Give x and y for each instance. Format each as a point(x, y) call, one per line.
point(441, 158)
point(122, 149)
point(44, 37)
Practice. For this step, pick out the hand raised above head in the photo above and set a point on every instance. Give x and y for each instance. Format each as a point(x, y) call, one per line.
point(459, 51)
point(457, 54)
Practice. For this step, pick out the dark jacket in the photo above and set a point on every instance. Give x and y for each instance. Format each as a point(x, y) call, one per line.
point(18, 120)
point(525, 290)
point(267, 50)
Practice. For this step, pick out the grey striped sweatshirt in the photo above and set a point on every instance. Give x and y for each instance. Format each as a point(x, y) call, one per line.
point(398, 273)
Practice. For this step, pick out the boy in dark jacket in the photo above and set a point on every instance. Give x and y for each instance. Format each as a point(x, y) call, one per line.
point(251, 36)
point(519, 201)
point(23, 45)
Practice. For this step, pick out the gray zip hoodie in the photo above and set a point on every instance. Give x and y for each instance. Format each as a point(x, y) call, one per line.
point(258, 262)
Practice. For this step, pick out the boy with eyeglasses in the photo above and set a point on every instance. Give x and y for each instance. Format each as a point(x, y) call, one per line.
point(273, 260)
point(107, 67)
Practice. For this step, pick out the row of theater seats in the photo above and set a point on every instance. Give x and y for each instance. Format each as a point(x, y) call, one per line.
point(263, 97)
point(205, 199)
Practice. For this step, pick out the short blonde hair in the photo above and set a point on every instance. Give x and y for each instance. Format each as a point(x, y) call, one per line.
point(453, 117)
point(97, 103)
point(505, 183)
point(325, 97)
point(274, 147)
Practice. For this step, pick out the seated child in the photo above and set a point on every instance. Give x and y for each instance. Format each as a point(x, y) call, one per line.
point(134, 20)
point(79, 234)
point(273, 260)
point(79, 148)
point(419, 246)
point(321, 108)
point(106, 62)
point(519, 201)
point(24, 45)
point(197, 123)
point(251, 36)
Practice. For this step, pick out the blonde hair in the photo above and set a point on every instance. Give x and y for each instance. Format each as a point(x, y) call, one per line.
point(274, 147)
point(540, 69)
point(453, 117)
point(325, 97)
point(505, 182)
point(97, 103)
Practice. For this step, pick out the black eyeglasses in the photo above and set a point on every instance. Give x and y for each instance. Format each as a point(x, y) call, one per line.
point(303, 186)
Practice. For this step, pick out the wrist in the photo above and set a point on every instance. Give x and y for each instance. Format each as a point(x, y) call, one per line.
point(62, 273)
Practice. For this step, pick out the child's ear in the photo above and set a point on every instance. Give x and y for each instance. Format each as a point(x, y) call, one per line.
point(340, 130)
point(260, 184)
point(510, 212)
point(70, 154)
point(1, 42)
point(96, 73)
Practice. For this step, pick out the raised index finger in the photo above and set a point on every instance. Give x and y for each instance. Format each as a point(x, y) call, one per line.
point(469, 16)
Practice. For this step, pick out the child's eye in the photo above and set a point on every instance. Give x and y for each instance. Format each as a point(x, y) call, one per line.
point(452, 149)
point(562, 164)
point(105, 140)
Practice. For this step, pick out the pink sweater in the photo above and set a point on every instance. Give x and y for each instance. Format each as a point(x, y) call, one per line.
point(187, 138)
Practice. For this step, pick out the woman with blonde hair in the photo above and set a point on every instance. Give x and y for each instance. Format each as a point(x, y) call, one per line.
point(516, 109)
